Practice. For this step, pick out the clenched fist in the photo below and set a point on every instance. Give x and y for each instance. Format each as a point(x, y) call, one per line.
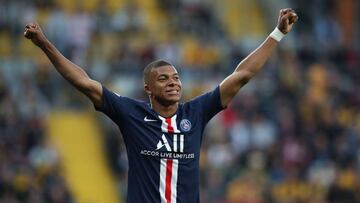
point(287, 18)
point(35, 34)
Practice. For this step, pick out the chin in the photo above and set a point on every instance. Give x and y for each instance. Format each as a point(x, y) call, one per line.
point(173, 100)
point(169, 100)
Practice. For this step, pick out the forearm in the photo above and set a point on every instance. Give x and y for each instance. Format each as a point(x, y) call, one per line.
point(70, 71)
point(254, 62)
point(246, 69)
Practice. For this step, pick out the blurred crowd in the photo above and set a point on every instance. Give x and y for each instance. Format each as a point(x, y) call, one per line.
point(291, 134)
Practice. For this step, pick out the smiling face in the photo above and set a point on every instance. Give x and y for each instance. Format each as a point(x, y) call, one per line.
point(163, 85)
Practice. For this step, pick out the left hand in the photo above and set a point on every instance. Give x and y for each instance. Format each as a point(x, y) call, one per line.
point(287, 18)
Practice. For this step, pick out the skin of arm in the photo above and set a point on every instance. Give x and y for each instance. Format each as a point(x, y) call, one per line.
point(70, 71)
point(254, 62)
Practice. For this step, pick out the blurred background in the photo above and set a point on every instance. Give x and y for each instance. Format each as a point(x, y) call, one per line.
point(290, 136)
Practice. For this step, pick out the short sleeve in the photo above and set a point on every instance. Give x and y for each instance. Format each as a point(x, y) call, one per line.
point(112, 105)
point(208, 104)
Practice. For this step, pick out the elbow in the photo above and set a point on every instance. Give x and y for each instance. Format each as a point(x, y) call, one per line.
point(84, 85)
point(244, 76)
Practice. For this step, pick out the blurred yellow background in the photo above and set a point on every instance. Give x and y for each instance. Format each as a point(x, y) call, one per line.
point(291, 134)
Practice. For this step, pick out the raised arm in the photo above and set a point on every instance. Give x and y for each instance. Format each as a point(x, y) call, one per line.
point(71, 72)
point(253, 63)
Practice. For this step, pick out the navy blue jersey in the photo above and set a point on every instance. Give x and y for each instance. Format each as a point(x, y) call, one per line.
point(163, 153)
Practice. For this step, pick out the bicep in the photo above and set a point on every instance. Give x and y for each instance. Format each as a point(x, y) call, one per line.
point(230, 86)
point(93, 90)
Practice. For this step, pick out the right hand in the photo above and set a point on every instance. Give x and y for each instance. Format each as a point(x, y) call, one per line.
point(35, 34)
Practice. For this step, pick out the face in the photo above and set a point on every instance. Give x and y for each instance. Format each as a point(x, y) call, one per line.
point(164, 85)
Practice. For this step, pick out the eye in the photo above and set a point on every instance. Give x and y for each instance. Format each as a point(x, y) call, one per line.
point(161, 79)
point(176, 77)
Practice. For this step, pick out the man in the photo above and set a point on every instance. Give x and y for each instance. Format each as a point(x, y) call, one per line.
point(163, 137)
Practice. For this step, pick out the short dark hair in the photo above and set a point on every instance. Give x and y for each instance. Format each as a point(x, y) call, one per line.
point(150, 66)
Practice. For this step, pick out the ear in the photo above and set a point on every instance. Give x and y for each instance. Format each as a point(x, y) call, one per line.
point(147, 89)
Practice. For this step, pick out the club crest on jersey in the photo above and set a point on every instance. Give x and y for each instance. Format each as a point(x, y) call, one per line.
point(185, 125)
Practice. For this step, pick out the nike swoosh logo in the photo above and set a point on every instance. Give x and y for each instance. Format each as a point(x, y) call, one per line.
point(148, 120)
point(159, 146)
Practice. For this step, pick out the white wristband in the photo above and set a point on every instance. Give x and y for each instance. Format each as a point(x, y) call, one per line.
point(277, 34)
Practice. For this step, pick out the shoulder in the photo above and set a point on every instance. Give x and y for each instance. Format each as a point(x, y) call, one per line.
point(113, 100)
point(206, 97)
point(114, 95)
point(206, 105)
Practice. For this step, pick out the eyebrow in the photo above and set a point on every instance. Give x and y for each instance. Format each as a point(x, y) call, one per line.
point(165, 75)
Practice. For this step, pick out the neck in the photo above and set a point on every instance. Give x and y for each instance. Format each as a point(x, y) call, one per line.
point(164, 111)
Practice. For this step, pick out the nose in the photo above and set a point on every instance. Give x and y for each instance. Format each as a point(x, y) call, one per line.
point(172, 82)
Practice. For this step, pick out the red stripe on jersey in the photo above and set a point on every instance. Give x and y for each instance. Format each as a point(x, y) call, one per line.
point(169, 126)
point(168, 180)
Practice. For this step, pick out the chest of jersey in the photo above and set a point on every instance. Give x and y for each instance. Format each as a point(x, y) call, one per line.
point(171, 138)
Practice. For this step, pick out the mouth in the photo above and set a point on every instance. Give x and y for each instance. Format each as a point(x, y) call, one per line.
point(172, 92)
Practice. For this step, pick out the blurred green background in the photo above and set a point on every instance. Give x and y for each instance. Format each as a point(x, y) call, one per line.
point(290, 136)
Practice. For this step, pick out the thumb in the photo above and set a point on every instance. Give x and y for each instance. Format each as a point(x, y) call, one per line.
point(29, 32)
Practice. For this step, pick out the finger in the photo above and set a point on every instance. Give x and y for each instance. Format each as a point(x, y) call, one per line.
point(294, 15)
point(29, 25)
point(27, 34)
point(295, 19)
point(36, 26)
point(282, 12)
point(30, 31)
point(288, 10)
point(291, 12)
point(286, 16)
